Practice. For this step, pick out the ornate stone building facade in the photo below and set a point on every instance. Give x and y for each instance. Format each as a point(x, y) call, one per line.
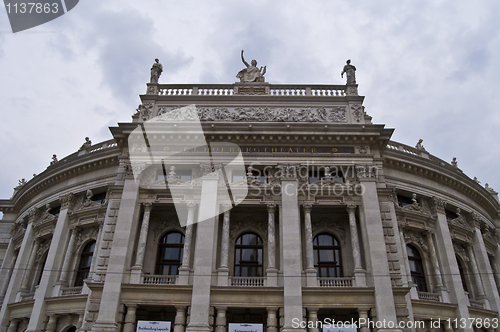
point(336, 221)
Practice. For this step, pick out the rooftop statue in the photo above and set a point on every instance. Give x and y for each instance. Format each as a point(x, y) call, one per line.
point(156, 70)
point(350, 72)
point(251, 73)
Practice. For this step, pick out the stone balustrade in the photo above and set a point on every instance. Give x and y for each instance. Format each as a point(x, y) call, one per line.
point(248, 281)
point(71, 291)
point(314, 90)
point(426, 296)
point(160, 280)
point(336, 282)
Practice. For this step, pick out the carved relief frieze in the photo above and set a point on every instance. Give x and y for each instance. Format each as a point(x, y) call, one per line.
point(366, 171)
point(145, 111)
point(260, 114)
point(66, 201)
point(357, 112)
point(461, 222)
point(438, 204)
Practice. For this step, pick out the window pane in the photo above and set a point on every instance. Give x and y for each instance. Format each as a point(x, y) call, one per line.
point(326, 255)
point(174, 238)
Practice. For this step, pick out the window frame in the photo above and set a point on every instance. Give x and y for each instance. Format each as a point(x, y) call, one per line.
point(337, 265)
point(82, 272)
point(418, 278)
point(163, 245)
point(248, 265)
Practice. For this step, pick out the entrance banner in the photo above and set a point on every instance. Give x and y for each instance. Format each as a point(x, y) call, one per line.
point(153, 326)
point(245, 327)
point(339, 328)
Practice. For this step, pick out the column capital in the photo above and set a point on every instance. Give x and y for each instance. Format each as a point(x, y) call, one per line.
point(148, 206)
point(271, 207)
point(66, 201)
point(439, 204)
point(307, 207)
point(351, 208)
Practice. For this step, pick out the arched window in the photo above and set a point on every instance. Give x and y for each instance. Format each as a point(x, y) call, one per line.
point(327, 258)
point(170, 251)
point(85, 261)
point(462, 274)
point(248, 256)
point(416, 268)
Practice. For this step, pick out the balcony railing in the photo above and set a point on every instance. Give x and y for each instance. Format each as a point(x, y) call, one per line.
point(159, 280)
point(229, 90)
point(71, 291)
point(426, 296)
point(248, 281)
point(335, 282)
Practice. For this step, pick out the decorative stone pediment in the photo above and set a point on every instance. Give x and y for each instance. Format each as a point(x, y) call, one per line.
point(163, 224)
point(84, 235)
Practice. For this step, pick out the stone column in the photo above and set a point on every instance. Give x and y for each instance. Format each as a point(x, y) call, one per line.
point(52, 323)
point(496, 272)
point(223, 273)
point(63, 279)
point(291, 248)
point(272, 271)
point(136, 276)
point(143, 236)
point(375, 244)
point(130, 318)
point(30, 267)
point(53, 265)
point(312, 314)
point(484, 267)
point(437, 271)
point(359, 272)
point(356, 253)
point(180, 318)
point(449, 264)
point(272, 320)
point(8, 275)
point(475, 273)
point(220, 321)
point(13, 325)
point(188, 239)
point(363, 316)
point(206, 235)
point(120, 254)
point(312, 279)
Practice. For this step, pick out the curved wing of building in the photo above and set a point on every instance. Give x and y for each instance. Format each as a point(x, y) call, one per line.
point(250, 206)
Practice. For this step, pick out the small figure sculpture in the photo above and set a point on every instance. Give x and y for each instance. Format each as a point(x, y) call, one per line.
point(251, 73)
point(156, 71)
point(476, 180)
point(458, 212)
point(414, 199)
point(87, 144)
point(454, 162)
point(349, 70)
point(419, 145)
point(88, 200)
point(54, 159)
point(22, 182)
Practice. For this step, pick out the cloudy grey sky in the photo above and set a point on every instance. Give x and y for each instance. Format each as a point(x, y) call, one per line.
point(427, 68)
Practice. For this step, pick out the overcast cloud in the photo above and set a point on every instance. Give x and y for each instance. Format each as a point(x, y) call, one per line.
point(429, 69)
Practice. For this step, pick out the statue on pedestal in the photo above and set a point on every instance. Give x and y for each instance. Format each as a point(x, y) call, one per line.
point(251, 73)
point(349, 70)
point(156, 70)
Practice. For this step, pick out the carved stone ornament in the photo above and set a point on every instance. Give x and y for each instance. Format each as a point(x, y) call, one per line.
point(145, 111)
point(259, 114)
point(162, 226)
point(152, 90)
point(32, 215)
point(84, 235)
point(366, 171)
point(17, 229)
point(438, 204)
point(414, 206)
point(241, 223)
point(88, 200)
point(475, 220)
point(461, 222)
point(66, 201)
point(287, 172)
point(42, 249)
point(417, 239)
point(332, 225)
point(362, 149)
point(460, 251)
point(357, 112)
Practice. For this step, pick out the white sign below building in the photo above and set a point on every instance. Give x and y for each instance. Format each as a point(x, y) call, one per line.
point(152, 326)
point(245, 327)
point(339, 328)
